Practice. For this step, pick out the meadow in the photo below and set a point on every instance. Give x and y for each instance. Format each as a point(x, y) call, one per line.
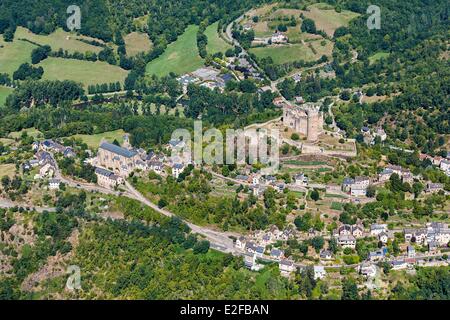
point(85, 72)
point(4, 92)
point(13, 54)
point(59, 39)
point(215, 43)
point(93, 141)
point(180, 56)
point(136, 42)
point(7, 170)
point(294, 52)
point(327, 19)
point(377, 56)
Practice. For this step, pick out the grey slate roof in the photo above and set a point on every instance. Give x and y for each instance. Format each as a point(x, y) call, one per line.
point(118, 150)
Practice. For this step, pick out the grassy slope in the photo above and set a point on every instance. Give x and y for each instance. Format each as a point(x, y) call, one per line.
point(13, 54)
point(4, 92)
point(329, 20)
point(58, 39)
point(377, 56)
point(93, 141)
point(283, 54)
point(180, 56)
point(215, 43)
point(136, 42)
point(85, 72)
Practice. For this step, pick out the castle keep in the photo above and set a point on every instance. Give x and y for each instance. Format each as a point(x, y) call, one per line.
point(306, 119)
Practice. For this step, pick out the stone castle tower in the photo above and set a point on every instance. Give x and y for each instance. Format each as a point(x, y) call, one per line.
point(305, 119)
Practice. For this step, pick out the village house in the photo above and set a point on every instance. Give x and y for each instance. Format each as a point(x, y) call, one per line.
point(279, 187)
point(445, 165)
point(259, 251)
point(107, 179)
point(250, 263)
point(411, 252)
point(385, 175)
point(269, 180)
point(297, 77)
point(415, 235)
point(50, 145)
point(347, 241)
point(301, 180)
point(399, 264)
point(326, 254)
point(54, 184)
point(346, 229)
point(276, 254)
point(347, 184)
point(286, 266)
point(266, 239)
point(434, 187)
point(376, 229)
point(407, 177)
point(383, 237)
point(358, 190)
point(368, 269)
point(278, 37)
point(156, 166)
point(376, 255)
point(381, 133)
point(319, 272)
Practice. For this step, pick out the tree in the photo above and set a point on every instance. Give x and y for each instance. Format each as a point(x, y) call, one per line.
point(201, 247)
point(309, 26)
point(371, 191)
point(349, 290)
point(315, 195)
point(317, 243)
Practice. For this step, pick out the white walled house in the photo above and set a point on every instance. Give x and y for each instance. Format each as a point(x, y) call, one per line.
point(319, 272)
point(54, 184)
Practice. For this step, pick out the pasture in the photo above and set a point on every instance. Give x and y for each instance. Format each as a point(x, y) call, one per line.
point(327, 19)
point(85, 72)
point(180, 57)
point(93, 141)
point(59, 39)
point(294, 52)
point(136, 42)
point(13, 54)
point(215, 43)
point(4, 93)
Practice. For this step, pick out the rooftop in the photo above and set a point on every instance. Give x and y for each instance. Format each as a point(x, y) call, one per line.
point(118, 150)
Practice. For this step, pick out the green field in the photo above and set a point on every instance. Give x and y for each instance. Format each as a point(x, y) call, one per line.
point(294, 52)
point(93, 141)
point(327, 19)
point(4, 92)
point(215, 43)
point(85, 72)
point(7, 169)
point(136, 42)
point(59, 39)
point(31, 132)
point(377, 56)
point(13, 54)
point(180, 56)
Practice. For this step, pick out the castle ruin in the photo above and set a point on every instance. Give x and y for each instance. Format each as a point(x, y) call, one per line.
point(306, 119)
